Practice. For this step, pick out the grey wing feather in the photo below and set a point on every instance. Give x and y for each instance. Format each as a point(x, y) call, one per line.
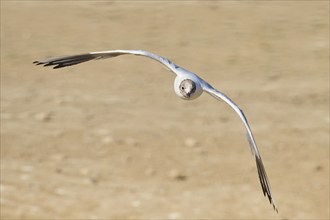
point(59, 62)
point(265, 185)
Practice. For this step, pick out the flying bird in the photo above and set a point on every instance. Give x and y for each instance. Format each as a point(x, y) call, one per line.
point(187, 85)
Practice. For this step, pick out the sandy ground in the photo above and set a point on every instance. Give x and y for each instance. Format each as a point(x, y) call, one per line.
point(110, 139)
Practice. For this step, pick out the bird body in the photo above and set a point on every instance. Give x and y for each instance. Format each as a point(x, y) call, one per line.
point(187, 85)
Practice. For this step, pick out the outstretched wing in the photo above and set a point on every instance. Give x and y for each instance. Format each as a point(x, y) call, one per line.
point(260, 166)
point(59, 62)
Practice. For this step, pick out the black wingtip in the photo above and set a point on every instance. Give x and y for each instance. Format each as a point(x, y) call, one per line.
point(59, 62)
point(58, 66)
point(264, 182)
point(37, 62)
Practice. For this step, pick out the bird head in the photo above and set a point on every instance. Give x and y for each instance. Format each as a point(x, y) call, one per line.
point(187, 87)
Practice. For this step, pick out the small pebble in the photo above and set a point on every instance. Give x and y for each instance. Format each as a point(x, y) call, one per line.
point(187, 194)
point(58, 157)
point(60, 191)
point(63, 100)
point(200, 151)
point(177, 175)
point(136, 203)
point(318, 168)
point(190, 142)
point(90, 181)
point(131, 142)
point(43, 116)
point(58, 134)
point(58, 170)
point(224, 119)
point(27, 168)
point(146, 196)
point(107, 139)
point(126, 158)
point(101, 132)
point(85, 171)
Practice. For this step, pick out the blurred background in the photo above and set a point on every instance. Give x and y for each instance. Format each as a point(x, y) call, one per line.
point(110, 139)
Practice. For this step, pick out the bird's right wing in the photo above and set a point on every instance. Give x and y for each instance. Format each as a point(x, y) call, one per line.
point(59, 62)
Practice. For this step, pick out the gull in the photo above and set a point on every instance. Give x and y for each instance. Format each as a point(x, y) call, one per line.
point(187, 85)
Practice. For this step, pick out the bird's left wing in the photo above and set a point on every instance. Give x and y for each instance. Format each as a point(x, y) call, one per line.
point(59, 62)
point(260, 166)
